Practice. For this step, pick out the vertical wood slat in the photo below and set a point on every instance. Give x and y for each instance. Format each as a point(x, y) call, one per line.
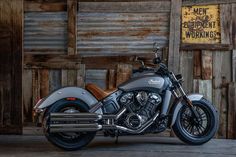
point(174, 38)
point(234, 65)
point(197, 74)
point(27, 95)
point(44, 83)
point(203, 87)
point(226, 23)
point(221, 77)
point(124, 72)
point(231, 133)
point(206, 65)
point(111, 83)
point(72, 26)
point(186, 69)
point(81, 76)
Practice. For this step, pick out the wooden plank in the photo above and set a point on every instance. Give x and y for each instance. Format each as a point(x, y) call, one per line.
point(231, 133)
point(111, 79)
point(44, 6)
point(203, 87)
point(125, 7)
point(221, 77)
point(63, 77)
point(206, 2)
point(206, 65)
point(11, 103)
point(123, 73)
point(54, 80)
point(72, 27)
point(186, 69)
point(71, 77)
point(35, 86)
point(222, 47)
point(27, 96)
point(197, 69)
point(226, 23)
point(174, 38)
point(81, 76)
point(234, 26)
point(44, 83)
point(234, 65)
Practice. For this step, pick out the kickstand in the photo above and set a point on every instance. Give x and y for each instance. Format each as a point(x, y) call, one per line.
point(116, 142)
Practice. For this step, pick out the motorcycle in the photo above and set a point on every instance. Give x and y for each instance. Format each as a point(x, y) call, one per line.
point(72, 116)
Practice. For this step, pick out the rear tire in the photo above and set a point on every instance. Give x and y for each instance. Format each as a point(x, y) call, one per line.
point(72, 141)
point(197, 135)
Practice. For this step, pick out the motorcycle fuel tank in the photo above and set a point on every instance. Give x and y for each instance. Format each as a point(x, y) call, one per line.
point(144, 83)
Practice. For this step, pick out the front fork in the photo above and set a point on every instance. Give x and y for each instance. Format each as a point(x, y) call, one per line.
point(184, 97)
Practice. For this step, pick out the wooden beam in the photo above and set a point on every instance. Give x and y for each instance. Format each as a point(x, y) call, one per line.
point(206, 2)
point(197, 69)
point(222, 47)
point(44, 6)
point(231, 133)
point(206, 65)
point(174, 38)
point(72, 26)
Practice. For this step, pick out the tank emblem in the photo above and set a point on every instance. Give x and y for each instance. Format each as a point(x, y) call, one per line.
point(154, 81)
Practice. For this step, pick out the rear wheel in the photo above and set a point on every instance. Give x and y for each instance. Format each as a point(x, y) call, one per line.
point(68, 141)
point(199, 130)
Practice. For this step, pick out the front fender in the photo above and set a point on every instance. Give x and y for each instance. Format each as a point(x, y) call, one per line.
point(177, 106)
point(66, 92)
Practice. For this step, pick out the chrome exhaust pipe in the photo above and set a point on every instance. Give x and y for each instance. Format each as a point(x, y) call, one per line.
point(55, 128)
point(59, 117)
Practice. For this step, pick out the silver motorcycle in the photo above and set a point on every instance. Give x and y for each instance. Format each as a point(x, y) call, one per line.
point(150, 102)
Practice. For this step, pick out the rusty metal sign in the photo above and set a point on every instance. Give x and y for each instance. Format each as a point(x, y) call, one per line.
point(201, 24)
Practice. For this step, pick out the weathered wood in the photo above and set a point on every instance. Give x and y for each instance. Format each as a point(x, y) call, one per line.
point(186, 69)
point(35, 87)
point(234, 25)
point(54, 80)
point(221, 77)
point(234, 65)
point(44, 83)
point(52, 61)
point(81, 74)
point(44, 6)
point(222, 47)
point(206, 2)
point(174, 38)
point(121, 7)
point(27, 95)
point(231, 133)
point(63, 77)
point(124, 72)
point(197, 69)
point(206, 65)
point(72, 27)
point(111, 83)
point(11, 14)
point(203, 87)
point(226, 23)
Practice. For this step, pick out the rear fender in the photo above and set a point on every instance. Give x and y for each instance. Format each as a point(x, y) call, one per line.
point(66, 92)
point(178, 105)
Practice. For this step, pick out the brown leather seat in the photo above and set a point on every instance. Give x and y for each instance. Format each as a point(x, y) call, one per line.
point(98, 92)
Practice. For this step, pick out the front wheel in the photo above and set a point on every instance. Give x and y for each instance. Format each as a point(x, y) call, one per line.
point(67, 141)
point(199, 130)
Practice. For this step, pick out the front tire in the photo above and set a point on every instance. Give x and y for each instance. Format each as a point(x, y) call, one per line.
point(67, 141)
point(196, 132)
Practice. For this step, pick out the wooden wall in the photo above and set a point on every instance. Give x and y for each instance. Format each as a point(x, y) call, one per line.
point(11, 15)
point(70, 43)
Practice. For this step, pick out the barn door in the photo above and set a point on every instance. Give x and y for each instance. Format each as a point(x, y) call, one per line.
point(11, 66)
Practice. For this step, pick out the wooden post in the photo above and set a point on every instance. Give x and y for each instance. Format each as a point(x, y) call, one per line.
point(174, 38)
point(231, 133)
point(72, 31)
point(11, 22)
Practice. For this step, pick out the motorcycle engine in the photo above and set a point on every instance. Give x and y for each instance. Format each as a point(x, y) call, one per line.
point(142, 106)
